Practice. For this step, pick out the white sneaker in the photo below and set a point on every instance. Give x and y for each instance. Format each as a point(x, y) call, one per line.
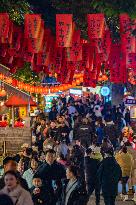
point(125, 198)
point(121, 196)
point(134, 198)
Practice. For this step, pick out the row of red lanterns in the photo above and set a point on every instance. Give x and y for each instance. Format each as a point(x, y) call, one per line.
point(39, 89)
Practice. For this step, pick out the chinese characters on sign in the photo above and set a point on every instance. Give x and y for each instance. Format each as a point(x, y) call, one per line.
point(95, 25)
point(64, 30)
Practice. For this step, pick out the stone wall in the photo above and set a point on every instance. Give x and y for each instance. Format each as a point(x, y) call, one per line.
point(14, 138)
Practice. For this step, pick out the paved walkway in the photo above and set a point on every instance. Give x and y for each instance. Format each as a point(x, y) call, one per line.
point(118, 201)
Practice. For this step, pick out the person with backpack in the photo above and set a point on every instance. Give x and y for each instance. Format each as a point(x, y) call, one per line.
point(109, 174)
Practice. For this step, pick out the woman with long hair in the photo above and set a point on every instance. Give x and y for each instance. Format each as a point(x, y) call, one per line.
point(13, 189)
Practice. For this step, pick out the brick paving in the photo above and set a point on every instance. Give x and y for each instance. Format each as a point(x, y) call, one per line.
point(118, 201)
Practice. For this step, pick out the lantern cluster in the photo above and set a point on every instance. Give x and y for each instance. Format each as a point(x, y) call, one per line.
point(40, 89)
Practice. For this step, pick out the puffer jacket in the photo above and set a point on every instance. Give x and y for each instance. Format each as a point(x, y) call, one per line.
point(125, 161)
point(19, 195)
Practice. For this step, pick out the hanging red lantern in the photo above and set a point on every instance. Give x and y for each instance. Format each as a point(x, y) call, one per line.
point(31, 89)
point(9, 80)
point(1, 76)
point(14, 82)
point(74, 84)
point(52, 89)
point(100, 79)
point(104, 77)
point(36, 90)
point(77, 81)
point(2, 93)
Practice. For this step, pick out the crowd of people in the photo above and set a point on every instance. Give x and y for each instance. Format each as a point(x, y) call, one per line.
point(82, 146)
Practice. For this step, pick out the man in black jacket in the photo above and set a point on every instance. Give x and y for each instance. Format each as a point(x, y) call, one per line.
point(53, 131)
point(84, 133)
point(91, 167)
point(63, 133)
point(109, 174)
point(51, 173)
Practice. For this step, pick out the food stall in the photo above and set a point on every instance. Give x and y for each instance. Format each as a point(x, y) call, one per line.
point(19, 107)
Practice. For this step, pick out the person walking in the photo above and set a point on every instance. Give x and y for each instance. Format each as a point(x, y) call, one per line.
point(10, 164)
point(125, 160)
point(74, 192)
point(51, 173)
point(28, 174)
point(109, 174)
point(91, 167)
point(18, 195)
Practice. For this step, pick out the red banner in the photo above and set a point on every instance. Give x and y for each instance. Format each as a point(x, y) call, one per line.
point(128, 44)
point(89, 79)
point(35, 44)
point(125, 24)
point(33, 24)
point(69, 73)
point(114, 63)
point(17, 37)
point(127, 40)
point(4, 25)
point(42, 58)
point(106, 44)
point(118, 70)
point(85, 56)
point(64, 30)
point(3, 49)
point(28, 57)
point(58, 59)
point(95, 25)
point(131, 60)
point(75, 52)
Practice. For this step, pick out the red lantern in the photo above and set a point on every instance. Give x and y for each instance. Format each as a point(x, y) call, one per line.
point(31, 89)
point(14, 82)
point(100, 79)
point(2, 93)
point(104, 78)
point(1, 76)
point(9, 80)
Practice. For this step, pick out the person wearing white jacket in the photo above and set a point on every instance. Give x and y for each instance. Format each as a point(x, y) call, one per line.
point(14, 190)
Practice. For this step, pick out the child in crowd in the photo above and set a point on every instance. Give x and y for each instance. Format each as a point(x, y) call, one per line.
point(39, 193)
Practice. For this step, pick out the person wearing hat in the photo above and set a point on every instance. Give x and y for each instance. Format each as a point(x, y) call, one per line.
point(109, 174)
point(9, 164)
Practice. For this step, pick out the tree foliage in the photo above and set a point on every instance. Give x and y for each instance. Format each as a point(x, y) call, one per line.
point(111, 9)
point(16, 9)
point(27, 75)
